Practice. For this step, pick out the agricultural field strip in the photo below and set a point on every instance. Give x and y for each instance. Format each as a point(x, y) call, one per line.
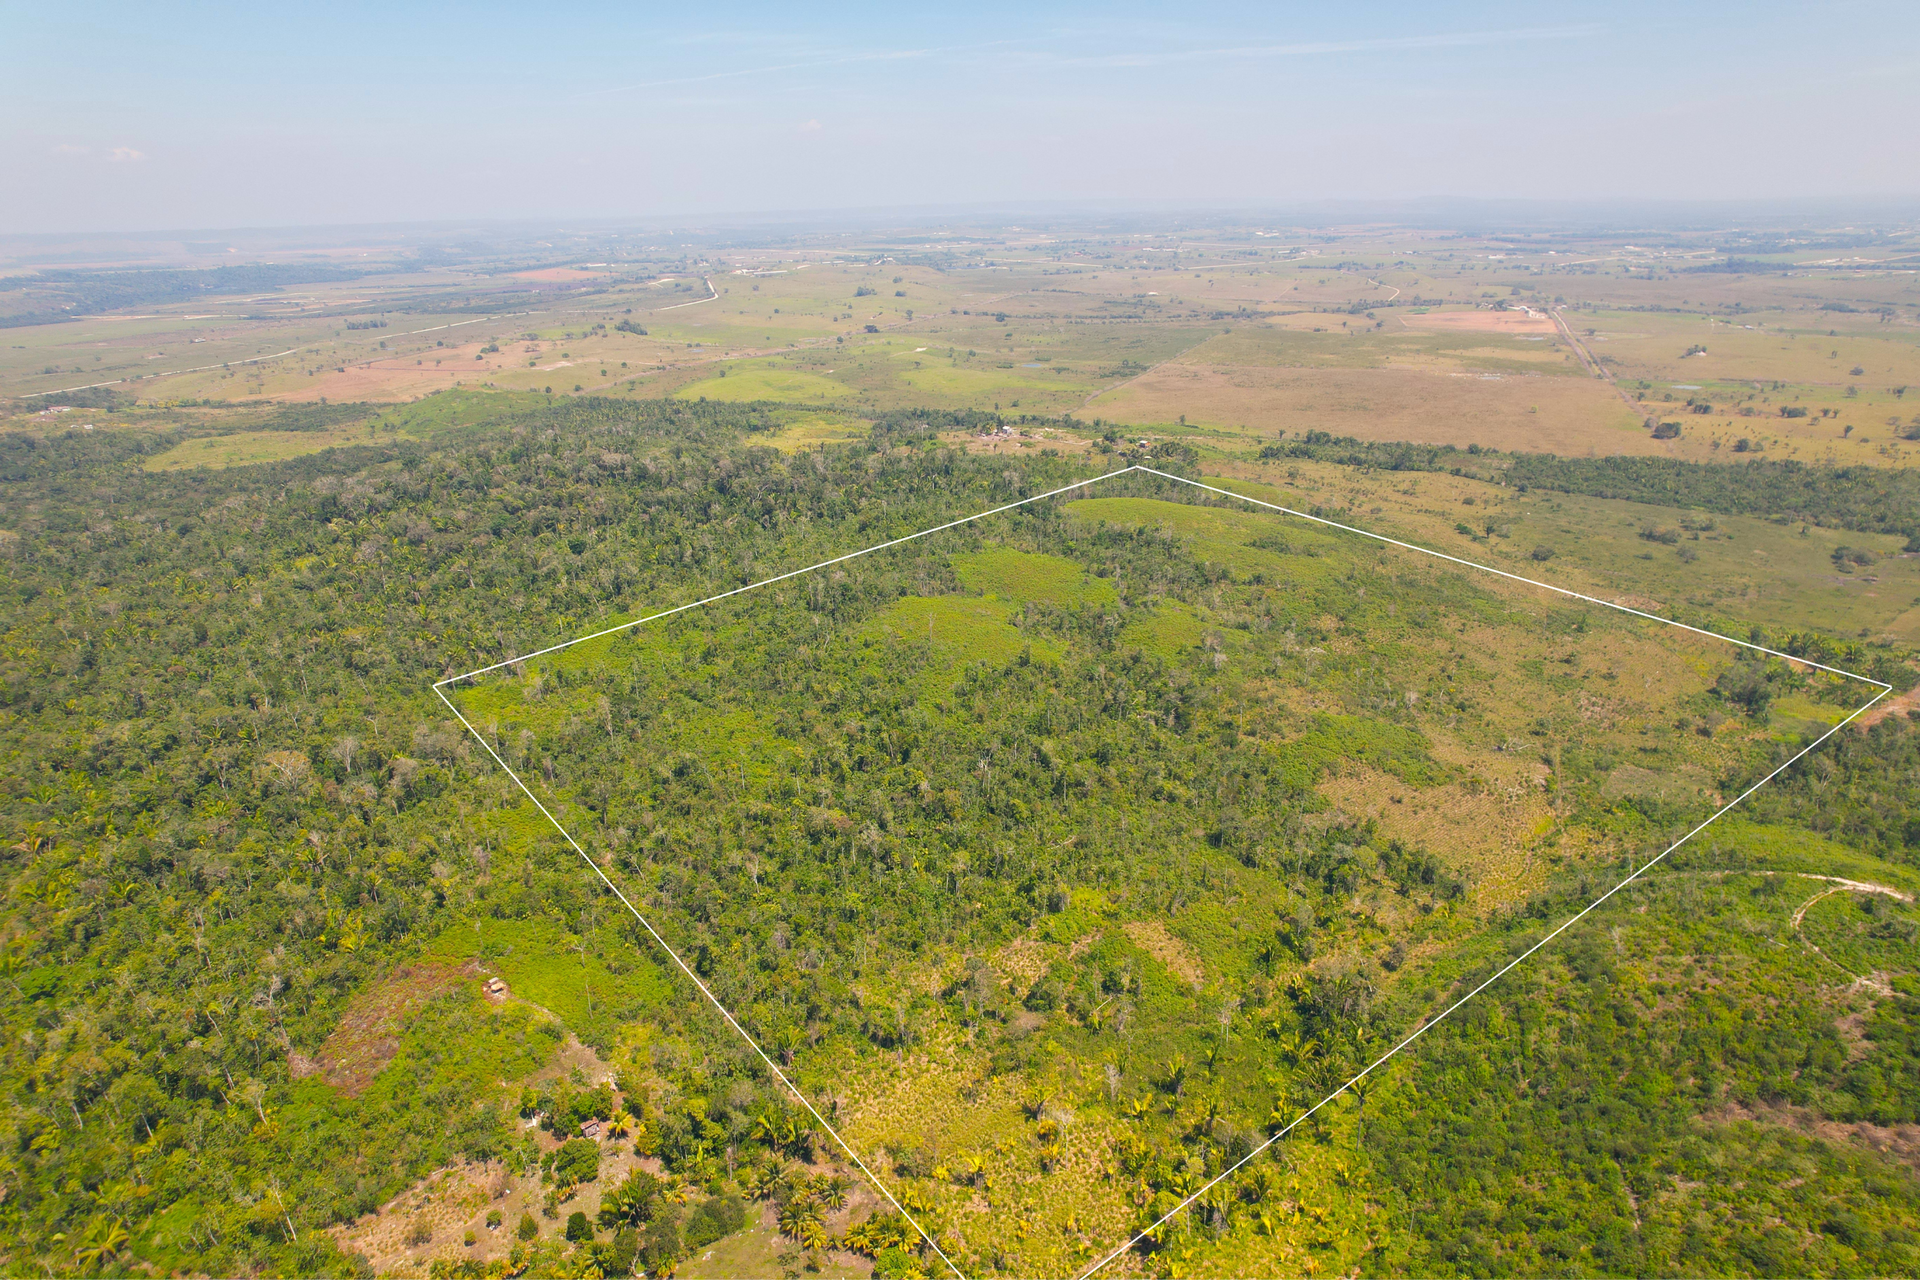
point(289, 351)
point(114, 382)
point(440, 688)
point(435, 328)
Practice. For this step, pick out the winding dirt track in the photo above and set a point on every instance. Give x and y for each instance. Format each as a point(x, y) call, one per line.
point(1843, 886)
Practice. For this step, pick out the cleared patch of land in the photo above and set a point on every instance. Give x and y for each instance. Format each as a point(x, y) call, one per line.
point(1575, 417)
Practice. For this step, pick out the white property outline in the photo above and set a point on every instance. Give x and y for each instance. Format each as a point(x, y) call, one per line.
point(439, 687)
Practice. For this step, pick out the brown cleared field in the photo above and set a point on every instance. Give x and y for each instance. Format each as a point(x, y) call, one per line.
point(1569, 416)
point(1374, 332)
point(1506, 322)
point(568, 274)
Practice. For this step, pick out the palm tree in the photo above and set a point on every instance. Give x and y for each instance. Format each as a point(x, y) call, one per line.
point(1177, 1074)
point(1296, 1050)
point(1210, 1115)
point(799, 1212)
point(814, 1237)
point(103, 1245)
point(1360, 1089)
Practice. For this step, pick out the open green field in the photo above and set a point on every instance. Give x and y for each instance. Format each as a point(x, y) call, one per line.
point(1398, 336)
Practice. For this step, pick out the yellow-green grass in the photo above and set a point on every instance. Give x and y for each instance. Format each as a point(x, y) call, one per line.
point(760, 381)
point(1172, 630)
point(543, 963)
point(245, 448)
point(1289, 346)
point(754, 1254)
point(960, 629)
point(811, 430)
point(1221, 535)
point(1757, 845)
point(1026, 576)
point(1794, 348)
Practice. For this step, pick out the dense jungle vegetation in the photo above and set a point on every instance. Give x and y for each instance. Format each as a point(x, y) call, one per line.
point(1097, 733)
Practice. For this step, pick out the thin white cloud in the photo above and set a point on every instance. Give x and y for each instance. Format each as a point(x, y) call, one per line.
point(70, 149)
point(838, 60)
point(122, 154)
point(1316, 48)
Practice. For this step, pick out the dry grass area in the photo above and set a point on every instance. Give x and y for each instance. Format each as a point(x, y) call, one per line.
point(1899, 1142)
point(1573, 417)
point(1152, 937)
point(1490, 831)
point(368, 1036)
point(392, 378)
point(941, 1096)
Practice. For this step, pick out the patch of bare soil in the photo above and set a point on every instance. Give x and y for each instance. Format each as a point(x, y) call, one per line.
point(1897, 1142)
point(1477, 321)
point(399, 377)
point(571, 275)
point(436, 1217)
point(1899, 704)
point(1017, 440)
point(368, 1036)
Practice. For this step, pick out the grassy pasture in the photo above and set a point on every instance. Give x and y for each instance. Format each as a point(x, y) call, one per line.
point(1023, 575)
point(1277, 342)
point(811, 430)
point(1329, 346)
point(245, 448)
point(742, 383)
point(1569, 416)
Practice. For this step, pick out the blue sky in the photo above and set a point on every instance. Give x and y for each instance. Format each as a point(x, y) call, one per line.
point(124, 117)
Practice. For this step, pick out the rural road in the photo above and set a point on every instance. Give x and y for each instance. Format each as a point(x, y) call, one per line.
point(712, 295)
point(1591, 361)
point(1843, 886)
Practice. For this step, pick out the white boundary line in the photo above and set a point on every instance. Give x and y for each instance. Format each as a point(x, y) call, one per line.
point(439, 688)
